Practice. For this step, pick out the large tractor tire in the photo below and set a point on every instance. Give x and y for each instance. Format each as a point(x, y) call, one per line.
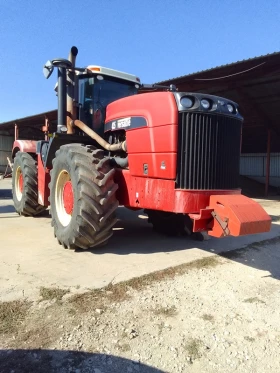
point(25, 185)
point(82, 197)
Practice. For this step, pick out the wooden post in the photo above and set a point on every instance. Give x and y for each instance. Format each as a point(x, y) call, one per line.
point(16, 131)
point(267, 174)
point(46, 128)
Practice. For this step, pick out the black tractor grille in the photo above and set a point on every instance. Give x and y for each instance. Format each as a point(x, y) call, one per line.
point(208, 151)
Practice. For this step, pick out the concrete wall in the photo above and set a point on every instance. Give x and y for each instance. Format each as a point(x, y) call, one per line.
point(253, 165)
point(6, 144)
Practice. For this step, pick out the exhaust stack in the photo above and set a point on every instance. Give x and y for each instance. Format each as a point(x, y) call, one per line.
point(70, 90)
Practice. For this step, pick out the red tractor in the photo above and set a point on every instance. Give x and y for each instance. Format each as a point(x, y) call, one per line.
point(174, 154)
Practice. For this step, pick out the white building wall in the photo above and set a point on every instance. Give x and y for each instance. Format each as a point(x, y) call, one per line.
point(253, 165)
point(6, 144)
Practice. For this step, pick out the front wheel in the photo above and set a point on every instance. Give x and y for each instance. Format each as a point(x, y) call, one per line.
point(82, 197)
point(25, 185)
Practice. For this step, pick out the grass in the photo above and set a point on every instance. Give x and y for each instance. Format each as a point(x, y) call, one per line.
point(239, 253)
point(165, 311)
point(117, 293)
point(160, 328)
point(87, 302)
point(12, 314)
point(36, 336)
point(124, 347)
point(207, 317)
point(193, 348)
point(52, 293)
point(249, 339)
point(253, 300)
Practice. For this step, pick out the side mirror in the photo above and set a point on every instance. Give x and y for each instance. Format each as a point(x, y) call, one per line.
point(58, 62)
point(48, 69)
point(56, 88)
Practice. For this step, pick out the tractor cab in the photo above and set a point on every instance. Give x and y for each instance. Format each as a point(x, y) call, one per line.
point(98, 88)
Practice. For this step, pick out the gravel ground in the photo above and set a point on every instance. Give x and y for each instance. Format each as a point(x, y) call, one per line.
point(217, 314)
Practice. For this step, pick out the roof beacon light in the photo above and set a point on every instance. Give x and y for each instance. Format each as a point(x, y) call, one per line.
point(94, 68)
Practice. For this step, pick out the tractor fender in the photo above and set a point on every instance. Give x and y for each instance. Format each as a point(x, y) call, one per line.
point(26, 146)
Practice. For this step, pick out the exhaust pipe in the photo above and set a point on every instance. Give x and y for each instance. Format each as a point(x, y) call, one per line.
point(70, 107)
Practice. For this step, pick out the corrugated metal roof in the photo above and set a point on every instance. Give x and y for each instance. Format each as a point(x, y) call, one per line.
point(253, 59)
point(255, 85)
point(31, 120)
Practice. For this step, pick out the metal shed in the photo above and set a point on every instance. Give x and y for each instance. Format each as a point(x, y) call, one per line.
point(23, 128)
point(255, 85)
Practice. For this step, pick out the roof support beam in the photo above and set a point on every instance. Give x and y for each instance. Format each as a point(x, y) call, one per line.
point(16, 131)
point(267, 172)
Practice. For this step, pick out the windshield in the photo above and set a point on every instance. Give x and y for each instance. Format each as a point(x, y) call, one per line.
point(95, 94)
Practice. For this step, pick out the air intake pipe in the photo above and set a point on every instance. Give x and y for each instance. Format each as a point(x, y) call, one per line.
point(110, 147)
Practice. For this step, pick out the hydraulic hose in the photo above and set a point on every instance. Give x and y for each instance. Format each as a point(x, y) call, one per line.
point(99, 139)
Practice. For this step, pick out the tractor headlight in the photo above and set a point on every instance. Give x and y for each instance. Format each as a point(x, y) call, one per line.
point(187, 102)
point(230, 108)
point(205, 103)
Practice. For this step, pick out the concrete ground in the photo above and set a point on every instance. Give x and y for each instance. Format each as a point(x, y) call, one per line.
point(30, 256)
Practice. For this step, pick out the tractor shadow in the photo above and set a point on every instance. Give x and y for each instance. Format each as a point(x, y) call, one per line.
point(5, 204)
point(6, 194)
point(57, 361)
point(7, 207)
point(134, 235)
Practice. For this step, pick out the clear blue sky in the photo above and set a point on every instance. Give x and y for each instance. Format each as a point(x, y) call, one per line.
point(154, 39)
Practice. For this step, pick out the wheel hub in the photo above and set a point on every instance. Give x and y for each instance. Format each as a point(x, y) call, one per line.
point(64, 198)
point(68, 197)
point(20, 183)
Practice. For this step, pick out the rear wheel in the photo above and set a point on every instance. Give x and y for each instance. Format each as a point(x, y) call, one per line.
point(25, 185)
point(82, 197)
